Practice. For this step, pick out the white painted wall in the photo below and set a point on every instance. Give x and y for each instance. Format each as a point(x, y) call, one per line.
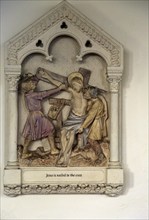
point(126, 21)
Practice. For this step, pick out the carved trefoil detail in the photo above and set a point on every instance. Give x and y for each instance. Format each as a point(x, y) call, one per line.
point(64, 12)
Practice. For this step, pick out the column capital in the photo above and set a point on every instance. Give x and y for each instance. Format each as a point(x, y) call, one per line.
point(114, 81)
point(114, 76)
point(13, 73)
point(13, 81)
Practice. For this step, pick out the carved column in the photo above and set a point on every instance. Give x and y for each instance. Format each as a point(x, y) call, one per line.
point(114, 80)
point(12, 79)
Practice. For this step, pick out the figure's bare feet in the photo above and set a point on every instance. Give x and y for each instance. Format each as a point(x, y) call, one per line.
point(26, 155)
point(54, 151)
point(60, 161)
point(40, 151)
point(64, 165)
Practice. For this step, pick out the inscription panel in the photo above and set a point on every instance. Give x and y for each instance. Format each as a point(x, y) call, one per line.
point(63, 175)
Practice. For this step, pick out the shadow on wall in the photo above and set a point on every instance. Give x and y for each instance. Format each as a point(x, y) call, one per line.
point(128, 180)
point(128, 69)
point(126, 81)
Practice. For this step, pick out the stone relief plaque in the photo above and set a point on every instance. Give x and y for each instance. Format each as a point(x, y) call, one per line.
point(63, 76)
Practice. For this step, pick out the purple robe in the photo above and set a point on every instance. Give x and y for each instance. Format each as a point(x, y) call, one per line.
point(37, 126)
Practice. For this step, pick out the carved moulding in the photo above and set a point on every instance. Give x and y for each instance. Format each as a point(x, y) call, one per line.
point(64, 45)
point(110, 190)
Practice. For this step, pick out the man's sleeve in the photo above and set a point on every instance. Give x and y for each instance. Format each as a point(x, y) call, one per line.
point(44, 94)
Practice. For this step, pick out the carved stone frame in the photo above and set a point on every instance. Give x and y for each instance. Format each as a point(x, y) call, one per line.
point(23, 44)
